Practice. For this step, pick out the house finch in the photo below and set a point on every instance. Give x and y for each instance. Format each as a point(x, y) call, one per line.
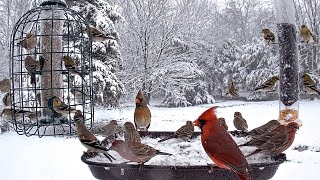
point(6, 100)
point(184, 132)
point(264, 128)
point(231, 88)
point(239, 122)
point(5, 85)
point(60, 107)
point(278, 140)
point(142, 114)
point(268, 85)
point(268, 36)
point(310, 85)
point(97, 35)
point(131, 134)
point(223, 123)
point(135, 151)
point(31, 65)
point(87, 138)
point(219, 145)
point(29, 42)
point(307, 36)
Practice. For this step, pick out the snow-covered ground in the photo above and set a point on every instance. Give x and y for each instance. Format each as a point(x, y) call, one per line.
point(54, 158)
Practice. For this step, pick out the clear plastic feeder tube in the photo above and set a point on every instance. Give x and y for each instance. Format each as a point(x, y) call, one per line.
point(288, 62)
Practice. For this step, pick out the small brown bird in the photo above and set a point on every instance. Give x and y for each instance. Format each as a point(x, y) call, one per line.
point(184, 132)
point(231, 89)
point(5, 85)
point(278, 140)
point(268, 85)
point(87, 139)
point(222, 122)
point(6, 100)
point(307, 36)
point(135, 151)
point(268, 36)
point(239, 122)
point(142, 114)
point(310, 85)
point(31, 65)
point(264, 128)
point(109, 129)
point(131, 134)
point(97, 35)
point(29, 42)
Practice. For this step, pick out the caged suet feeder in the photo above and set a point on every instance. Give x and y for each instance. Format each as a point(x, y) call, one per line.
point(50, 57)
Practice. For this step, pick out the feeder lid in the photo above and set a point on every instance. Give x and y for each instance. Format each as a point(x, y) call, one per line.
point(54, 3)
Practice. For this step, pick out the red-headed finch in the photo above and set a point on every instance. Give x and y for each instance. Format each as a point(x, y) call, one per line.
point(87, 139)
point(278, 140)
point(268, 85)
point(29, 42)
point(142, 114)
point(219, 145)
point(184, 132)
point(306, 34)
point(239, 122)
point(131, 134)
point(268, 36)
point(135, 151)
point(264, 128)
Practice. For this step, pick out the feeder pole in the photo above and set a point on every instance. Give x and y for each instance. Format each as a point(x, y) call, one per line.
point(289, 66)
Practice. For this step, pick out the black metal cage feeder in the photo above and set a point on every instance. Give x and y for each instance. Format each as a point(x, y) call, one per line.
point(50, 56)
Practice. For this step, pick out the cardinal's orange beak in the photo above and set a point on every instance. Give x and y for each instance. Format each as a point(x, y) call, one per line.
point(196, 123)
point(137, 101)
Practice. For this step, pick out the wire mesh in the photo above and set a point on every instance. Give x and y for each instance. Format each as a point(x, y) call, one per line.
point(60, 33)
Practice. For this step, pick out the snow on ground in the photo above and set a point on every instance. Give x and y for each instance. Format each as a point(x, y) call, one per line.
point(54, 158)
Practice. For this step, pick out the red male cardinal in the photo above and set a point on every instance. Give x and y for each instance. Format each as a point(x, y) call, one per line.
point(220, 146)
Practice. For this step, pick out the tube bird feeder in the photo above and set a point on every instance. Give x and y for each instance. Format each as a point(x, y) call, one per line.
point(288, 62)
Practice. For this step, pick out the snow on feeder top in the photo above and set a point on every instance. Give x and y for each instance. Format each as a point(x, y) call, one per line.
point(50, 57)
point(289, 75)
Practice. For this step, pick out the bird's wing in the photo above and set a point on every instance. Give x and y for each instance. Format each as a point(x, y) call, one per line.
point(222, 149)
point(94, 144)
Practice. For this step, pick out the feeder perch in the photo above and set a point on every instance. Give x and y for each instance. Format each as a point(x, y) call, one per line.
point(40, 40)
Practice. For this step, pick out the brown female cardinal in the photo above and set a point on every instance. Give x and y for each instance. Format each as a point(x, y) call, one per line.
point(142, 114)
point(219, 145)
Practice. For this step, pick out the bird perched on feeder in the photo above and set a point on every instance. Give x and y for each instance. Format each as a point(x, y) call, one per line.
point(109, 131)
point(307, 36)
point(131, 134)
point(309, 84)
point(219, 145)
point(268, 36)
point(29, 42)
point(142, 114)
point(239, 122)
point(31, 65)
point(97, 35)
point(71, 65)
point(264, 128)
point(6, 100)
point(18, 113)
point(277, 140)
point(135, 151)
point(184, 132)
point(87, 139)
point(223, 123)
point(231, 89)
point(60, 107)
point(268, 85)
point(5, 85)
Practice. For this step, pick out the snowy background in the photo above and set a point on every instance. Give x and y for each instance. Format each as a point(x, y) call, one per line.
point(59, 157)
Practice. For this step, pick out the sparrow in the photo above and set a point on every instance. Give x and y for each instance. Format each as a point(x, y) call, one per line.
point(142, 114)
point(306, 34)
point(239, 122)
point(184, 132)
point(131, 134)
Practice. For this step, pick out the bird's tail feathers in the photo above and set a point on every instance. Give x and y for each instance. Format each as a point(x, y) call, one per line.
point(163, 153)
point(254, 152)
